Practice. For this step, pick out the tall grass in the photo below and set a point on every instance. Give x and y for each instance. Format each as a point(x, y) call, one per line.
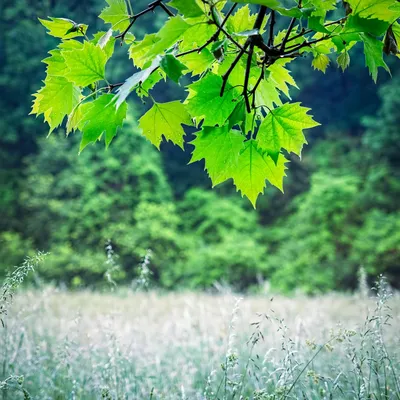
point(149, 345)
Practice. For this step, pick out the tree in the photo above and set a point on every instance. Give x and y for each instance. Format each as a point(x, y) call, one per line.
point(238, 93)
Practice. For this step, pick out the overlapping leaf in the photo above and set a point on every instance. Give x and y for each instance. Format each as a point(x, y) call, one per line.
point(254, 167)
point(135, 80)
point(220, 148)
point(386, 10)
point(55, 100)
point(373, 49)
point(86, 65)
point(100, 117)
point(283, 128)
point(205, 103)
point(165, 119)
point(63, 28)
point(116, 14)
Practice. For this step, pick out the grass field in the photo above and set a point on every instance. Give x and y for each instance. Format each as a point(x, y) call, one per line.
point(60, 345)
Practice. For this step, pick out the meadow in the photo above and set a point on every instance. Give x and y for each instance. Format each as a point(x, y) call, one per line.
point(152, 345)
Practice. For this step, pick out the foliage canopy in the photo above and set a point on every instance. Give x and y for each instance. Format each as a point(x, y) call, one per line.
point(238, 91)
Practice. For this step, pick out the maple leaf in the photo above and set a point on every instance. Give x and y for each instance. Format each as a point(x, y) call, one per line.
point(116, 14)
point(189, 8)
point(242, 20)
point(198, 62)
point(168, 35)
point(283, 128)
point(136, 79)
point(98, 117)
point(204, 100)
point(56, 65)
point(172, 67)
point(86, 65)
point(61, 28)
point(55, 100)
point(165, 119)
point(373, 49)
point(220, 148)
point(343, 60)
point(385, 10)
point(105, 41)
point(254, 167)
point(321, 62)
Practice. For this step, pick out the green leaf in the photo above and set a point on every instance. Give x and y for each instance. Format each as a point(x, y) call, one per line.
point(316, 24)
point(242, 20)
point(136, 79)
point(138, 51)
point(116, 14)
point(149, 83)
point(281, 77)
point(55, 63)
point(283, 128)
point(267, 94)
point(253, 168)
point(105, 41)
point(396, 33)
point(269, 3)
point(321, 62)
point(55, 100)
point(198, 62)
point(61, 28)
point(320, 7)
point(204, 100)
point(86, 65)
point(189, 8)
point(98, 117)
point(356, 24)
point(385, 10)
point(344, 60)
point(168, 35)
point(172, 67)
point(373, 49)
point(165, 119)
point(197, 34)
point(220, 148)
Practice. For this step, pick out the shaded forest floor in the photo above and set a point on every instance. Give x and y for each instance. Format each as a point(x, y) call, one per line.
point(60, 345)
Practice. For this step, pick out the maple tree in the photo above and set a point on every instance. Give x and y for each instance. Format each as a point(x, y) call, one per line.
point(238, 95)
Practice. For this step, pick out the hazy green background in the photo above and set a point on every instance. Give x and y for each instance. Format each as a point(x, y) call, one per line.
point(340, 209)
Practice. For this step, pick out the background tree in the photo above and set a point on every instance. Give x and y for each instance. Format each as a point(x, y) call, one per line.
point(345, 154)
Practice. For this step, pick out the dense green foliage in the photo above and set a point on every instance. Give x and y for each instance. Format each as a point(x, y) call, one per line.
point(339, 211)
point(239, 82)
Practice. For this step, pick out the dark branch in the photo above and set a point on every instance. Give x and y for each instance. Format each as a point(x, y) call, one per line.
point(232, 66)
point(151, 7)
point(288, 32)
point(271, 29)
point(247, 78)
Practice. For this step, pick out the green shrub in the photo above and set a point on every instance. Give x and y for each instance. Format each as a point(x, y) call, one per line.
point(377, 245)
point(13, 250)
point(212, 218)
point(309, 249)
point(237, 261)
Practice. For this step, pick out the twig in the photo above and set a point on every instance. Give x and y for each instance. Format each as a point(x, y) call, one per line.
point(271, 29)
point(288, 32)
point(232, 66)
point(150, 7)
point(247, 77)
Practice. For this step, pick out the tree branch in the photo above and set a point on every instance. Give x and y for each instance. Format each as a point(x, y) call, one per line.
point(150, 7)
point(288, 32)
point(271, 29)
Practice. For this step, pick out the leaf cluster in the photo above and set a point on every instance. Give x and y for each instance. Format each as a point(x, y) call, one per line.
point(238, 92)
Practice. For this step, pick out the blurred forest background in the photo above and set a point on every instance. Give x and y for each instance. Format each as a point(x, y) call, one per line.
point(340, 210)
